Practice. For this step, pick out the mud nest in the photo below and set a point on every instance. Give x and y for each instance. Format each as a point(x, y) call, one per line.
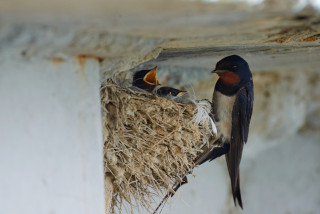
point(150, 143)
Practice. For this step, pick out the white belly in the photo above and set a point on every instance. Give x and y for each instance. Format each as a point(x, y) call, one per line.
point(223, 106)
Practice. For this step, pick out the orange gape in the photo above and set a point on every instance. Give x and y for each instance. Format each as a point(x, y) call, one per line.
point(229, 78)
point(151, 77)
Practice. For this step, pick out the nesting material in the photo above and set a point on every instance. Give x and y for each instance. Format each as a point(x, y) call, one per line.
point(150, 143)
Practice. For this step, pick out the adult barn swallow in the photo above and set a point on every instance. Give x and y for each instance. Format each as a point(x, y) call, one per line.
point(232, 105)
point(146, 79)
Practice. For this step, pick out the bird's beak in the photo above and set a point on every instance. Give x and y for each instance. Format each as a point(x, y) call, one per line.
point(181, 93)
point(151, 77)
point(216, 71)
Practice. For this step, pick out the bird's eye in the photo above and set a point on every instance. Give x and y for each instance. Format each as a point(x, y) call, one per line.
point(234, 67)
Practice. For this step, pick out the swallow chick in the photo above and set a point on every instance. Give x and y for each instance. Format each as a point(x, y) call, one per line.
point(146, 79)
point(169, 91)
point(232, 105)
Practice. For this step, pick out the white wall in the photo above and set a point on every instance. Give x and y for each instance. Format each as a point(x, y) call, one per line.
point(51, 157)
point(281, 179)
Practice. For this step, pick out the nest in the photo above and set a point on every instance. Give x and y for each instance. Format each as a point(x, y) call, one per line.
point(150, 143)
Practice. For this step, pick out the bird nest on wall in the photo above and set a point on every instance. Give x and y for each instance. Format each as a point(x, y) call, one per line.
point(150, 143)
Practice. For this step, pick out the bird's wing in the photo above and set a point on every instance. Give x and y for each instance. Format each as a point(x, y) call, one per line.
point(241, 116)
point(245, 99)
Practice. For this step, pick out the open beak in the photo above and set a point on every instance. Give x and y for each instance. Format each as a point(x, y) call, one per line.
point(151, 77)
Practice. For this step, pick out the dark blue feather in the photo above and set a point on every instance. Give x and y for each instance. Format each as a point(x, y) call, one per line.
point(241, 116)
point(245, 102)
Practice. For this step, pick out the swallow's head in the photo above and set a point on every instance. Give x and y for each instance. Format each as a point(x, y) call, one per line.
point(233, 70)
point(147, 76)
point(168, 91)
point(146, 79)
point(151, 77)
